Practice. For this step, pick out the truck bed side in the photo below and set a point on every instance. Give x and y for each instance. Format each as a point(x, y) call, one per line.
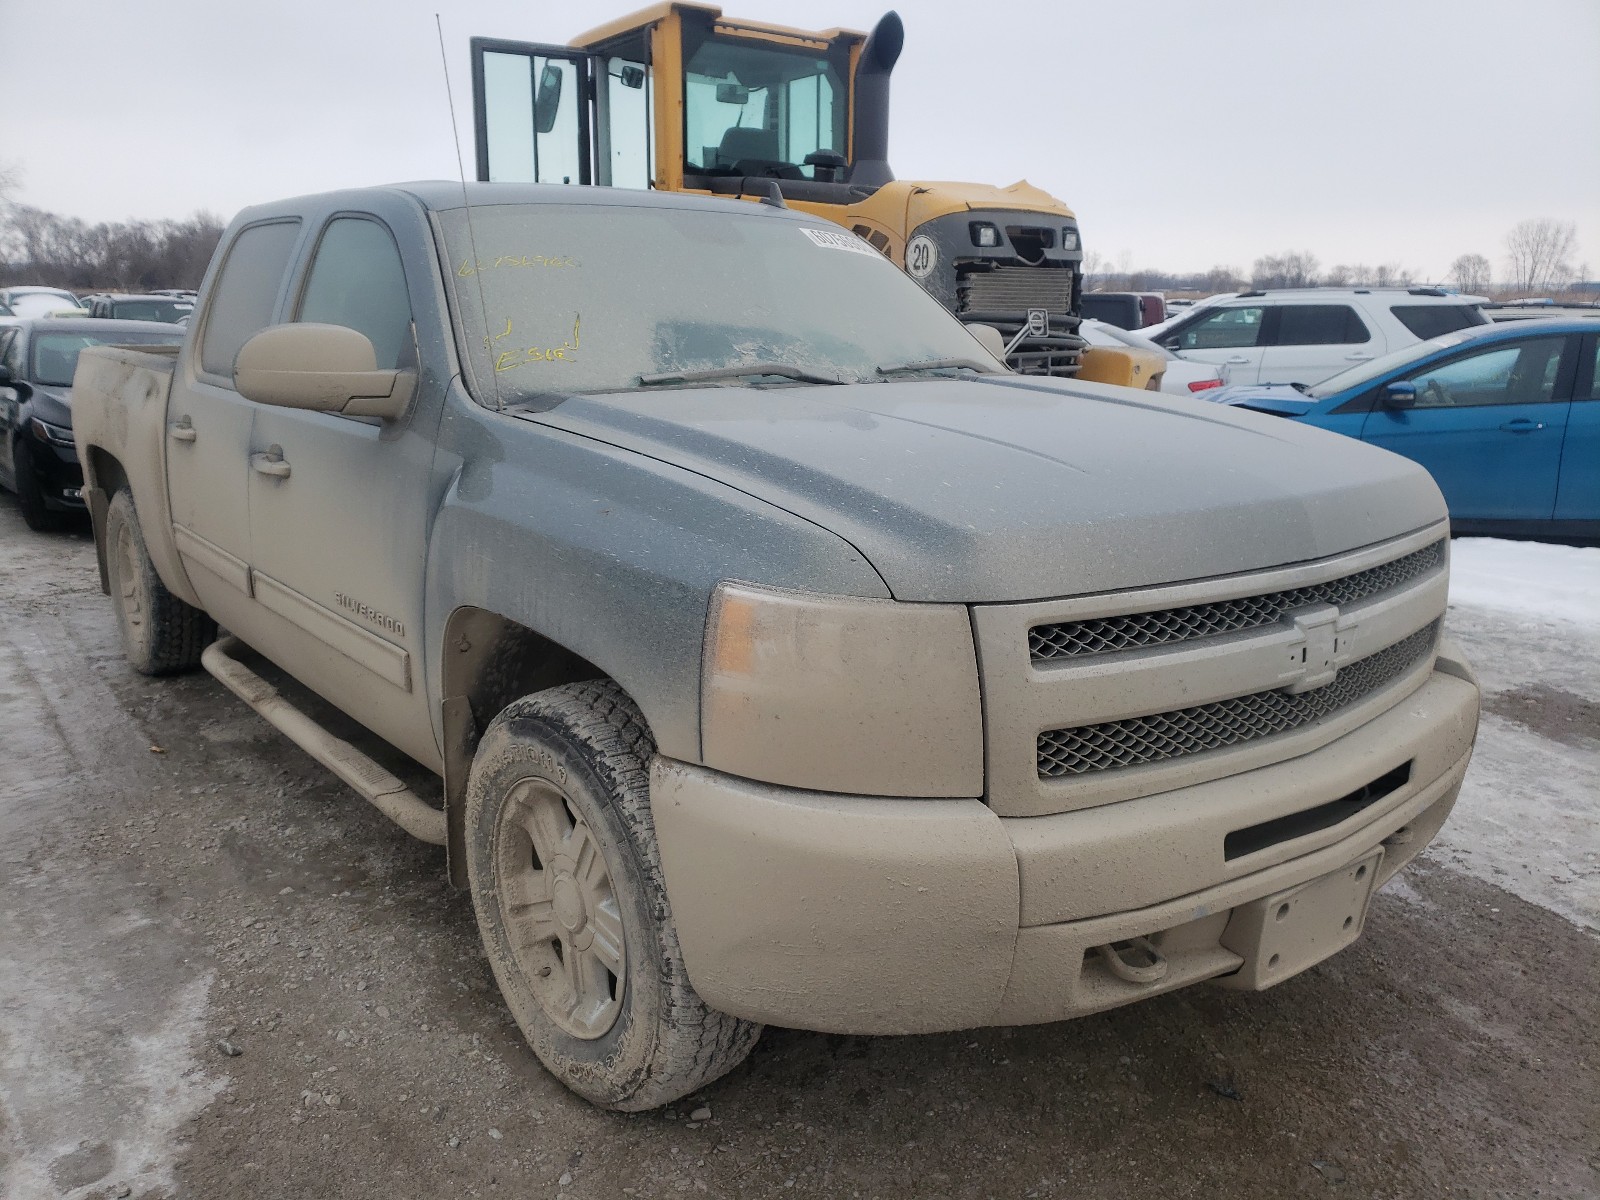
point(119, 419)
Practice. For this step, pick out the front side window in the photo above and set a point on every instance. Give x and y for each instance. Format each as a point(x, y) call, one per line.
point(1521, 374)
point(1320, 325)
point(600, 298)
point(751, 109)
point(246, 292)
point(356, 281)
point(1225, 329)
point(55, 355)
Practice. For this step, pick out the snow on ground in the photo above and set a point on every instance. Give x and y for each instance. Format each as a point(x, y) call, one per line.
point(1540, 582)
point(1528, 820)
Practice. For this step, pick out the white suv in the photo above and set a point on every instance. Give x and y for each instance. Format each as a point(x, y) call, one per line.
point(1304, 335)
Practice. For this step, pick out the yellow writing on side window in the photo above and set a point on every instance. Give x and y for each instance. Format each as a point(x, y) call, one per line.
point(509, 360)
point(469, 268)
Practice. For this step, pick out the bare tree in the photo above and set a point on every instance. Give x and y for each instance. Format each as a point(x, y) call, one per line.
point(1294, 269)
point(1471, 272)
point(1220, 279)
point(1539, 253)
point(41, 247)
point(1339, 275)
point(10, 181)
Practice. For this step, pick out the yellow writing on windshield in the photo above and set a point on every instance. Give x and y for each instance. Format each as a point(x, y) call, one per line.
point(509, 360)
point(469, 267)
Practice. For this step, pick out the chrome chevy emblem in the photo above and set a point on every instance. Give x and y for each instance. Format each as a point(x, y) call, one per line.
point(1326, 642)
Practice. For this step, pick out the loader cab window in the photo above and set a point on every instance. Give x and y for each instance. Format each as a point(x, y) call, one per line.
point(751, 109)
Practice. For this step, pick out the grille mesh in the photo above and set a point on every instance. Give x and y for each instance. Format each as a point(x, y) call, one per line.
point(1014, 288)
point(1139, 740)
point(1105, 635)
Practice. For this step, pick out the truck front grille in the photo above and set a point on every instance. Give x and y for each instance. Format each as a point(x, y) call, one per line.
point(1014, 288)
point(1168, 735)
point(1107, 635)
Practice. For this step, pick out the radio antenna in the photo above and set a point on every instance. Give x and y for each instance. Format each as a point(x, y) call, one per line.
point(466, 204)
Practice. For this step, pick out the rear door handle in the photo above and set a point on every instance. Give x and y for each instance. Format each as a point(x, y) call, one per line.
point(1522, 425)
point(271, 462)
point(182, 431)
point(1358, 358)
point(1237, 361)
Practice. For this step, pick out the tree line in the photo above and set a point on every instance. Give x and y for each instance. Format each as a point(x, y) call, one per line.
point(1540, 259)
point(125, 256)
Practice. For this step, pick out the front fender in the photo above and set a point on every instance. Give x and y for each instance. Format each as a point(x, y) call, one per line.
point(611, 555)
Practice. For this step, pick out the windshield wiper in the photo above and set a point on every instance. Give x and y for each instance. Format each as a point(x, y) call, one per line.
point(749, 371)
point(940, 364)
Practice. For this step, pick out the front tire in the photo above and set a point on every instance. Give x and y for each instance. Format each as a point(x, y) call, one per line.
point(566, 881)
point(161, 635)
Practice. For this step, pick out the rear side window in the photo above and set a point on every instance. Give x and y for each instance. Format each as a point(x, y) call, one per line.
point(1320, 325)
point(241, 303)
point(1430, 320)
point(357, 281)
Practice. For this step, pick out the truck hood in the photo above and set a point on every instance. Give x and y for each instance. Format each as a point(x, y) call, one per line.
point(1004, 489)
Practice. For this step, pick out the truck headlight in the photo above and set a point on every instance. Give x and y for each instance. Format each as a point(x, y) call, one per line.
point(984, 234)
point(1069, 238)
point(833, 693)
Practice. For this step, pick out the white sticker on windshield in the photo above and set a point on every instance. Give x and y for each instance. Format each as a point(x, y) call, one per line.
point(838, 239)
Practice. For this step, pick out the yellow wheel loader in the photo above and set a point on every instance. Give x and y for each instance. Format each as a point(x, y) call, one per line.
point(680, 98)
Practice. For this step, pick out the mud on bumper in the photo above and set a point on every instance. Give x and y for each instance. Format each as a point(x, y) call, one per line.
point(873, 916)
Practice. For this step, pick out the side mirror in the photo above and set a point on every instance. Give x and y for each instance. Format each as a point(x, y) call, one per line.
point(1399, 394)
point(632, 77)
point(990, 338)
point(325, 368)
point(548, 100)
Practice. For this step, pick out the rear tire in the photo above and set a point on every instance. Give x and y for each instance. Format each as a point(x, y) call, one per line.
point(161, 635)
point(30, 493)
point(566, 881)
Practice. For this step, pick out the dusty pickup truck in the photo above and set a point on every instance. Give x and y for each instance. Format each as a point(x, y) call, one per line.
point(783, 657)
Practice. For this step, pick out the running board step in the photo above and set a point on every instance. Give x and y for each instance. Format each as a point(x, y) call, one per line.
point(385, 792)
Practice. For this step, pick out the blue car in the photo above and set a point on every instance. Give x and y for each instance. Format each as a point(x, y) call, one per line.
point(1505, 417)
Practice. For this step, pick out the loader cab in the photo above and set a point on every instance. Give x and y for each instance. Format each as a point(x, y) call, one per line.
point(680, 99)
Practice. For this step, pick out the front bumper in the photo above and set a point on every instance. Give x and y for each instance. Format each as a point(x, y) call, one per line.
point(875, 916)
point(60, 475)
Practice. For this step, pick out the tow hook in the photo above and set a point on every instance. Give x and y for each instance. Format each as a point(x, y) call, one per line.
point(1134, 960)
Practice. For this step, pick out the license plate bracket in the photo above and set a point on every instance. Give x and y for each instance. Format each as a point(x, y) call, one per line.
point(1281, 935)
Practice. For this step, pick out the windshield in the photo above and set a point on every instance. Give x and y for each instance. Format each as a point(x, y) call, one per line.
point(754, 109)
point(55, 355)
point(1382, 365)
point(589, 298)
point(171, 311)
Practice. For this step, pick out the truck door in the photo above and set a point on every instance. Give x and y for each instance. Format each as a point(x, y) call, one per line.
point(339, 506)
point(208, 423)
point(531, 112)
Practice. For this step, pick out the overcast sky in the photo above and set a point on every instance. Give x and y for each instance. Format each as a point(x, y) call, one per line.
point(1184, 134)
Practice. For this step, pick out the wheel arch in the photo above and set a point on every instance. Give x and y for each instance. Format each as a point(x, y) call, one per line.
point(489, 661)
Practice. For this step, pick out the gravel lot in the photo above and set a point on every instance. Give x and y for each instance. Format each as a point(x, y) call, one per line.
point(222, 974)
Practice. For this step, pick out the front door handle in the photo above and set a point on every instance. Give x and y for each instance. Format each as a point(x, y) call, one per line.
point(1358, 358)
point(182, 431)
point(271, 462)
point(1522, 425)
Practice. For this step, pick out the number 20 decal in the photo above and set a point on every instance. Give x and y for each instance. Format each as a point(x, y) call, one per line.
point(921, 256)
